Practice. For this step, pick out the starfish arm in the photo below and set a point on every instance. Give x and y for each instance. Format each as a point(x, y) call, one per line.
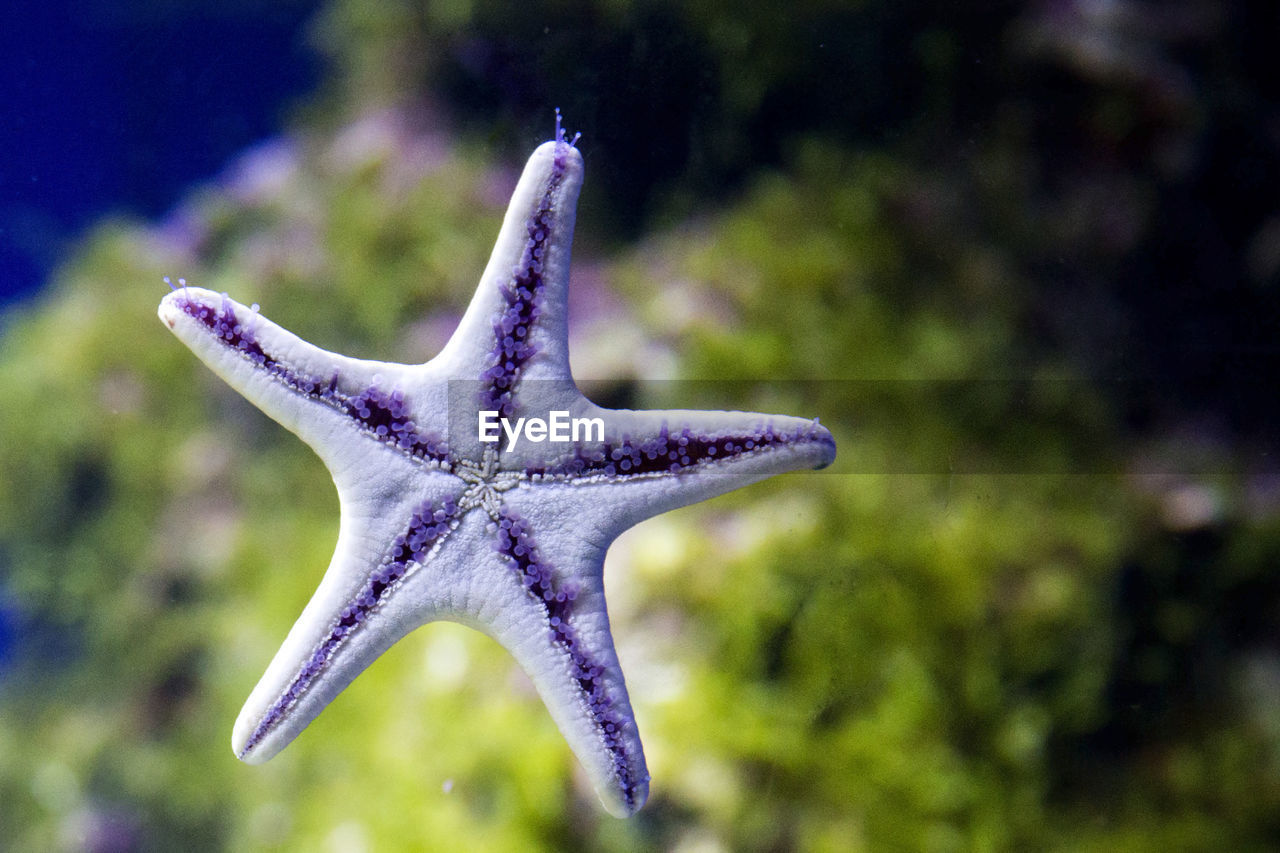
point(318, 395)
point(516, 326)
point(654, 461)
point(550, 614)
point(388, 544)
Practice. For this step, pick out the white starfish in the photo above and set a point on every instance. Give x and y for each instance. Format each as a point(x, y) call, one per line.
point(508, 537)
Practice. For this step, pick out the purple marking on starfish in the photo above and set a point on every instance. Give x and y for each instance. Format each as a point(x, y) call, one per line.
point(383, 414)
point(516, 544)
point(523, 296)
point(667, 453)
point(427, 529)
point(391, 421)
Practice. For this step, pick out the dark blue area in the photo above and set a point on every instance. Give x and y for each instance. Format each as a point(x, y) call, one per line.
point(118, 106)
point(8, 632)
point(31, 641)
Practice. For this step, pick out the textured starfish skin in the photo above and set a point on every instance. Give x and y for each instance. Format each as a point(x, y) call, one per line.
point(436, 524)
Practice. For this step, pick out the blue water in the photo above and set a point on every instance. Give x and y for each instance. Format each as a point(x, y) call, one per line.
point(7, 629)
point(119, 106)
point(8, 633)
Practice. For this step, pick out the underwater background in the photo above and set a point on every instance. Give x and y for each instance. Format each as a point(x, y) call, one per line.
point(1021, 260)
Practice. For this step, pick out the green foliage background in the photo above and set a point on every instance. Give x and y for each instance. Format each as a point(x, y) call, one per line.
point(985, 628)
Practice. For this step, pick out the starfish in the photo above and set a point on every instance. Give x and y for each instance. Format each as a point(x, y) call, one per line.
point(443, 519)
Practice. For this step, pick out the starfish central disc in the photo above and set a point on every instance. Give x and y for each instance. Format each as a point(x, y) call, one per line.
point(485, 483)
